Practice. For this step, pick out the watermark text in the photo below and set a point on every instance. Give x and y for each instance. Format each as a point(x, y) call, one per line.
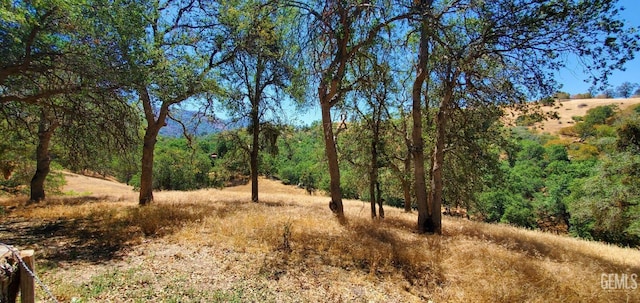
point(619, 281)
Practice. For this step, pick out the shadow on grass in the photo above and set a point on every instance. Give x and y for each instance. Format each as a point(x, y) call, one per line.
point(372, 248)
point(537, 247)
point(106, 231)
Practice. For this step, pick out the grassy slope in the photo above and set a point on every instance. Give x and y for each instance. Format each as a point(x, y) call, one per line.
point(569, 109)
point(214, 245)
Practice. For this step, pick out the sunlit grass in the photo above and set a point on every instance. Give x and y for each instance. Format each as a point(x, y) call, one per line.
point(216, 245)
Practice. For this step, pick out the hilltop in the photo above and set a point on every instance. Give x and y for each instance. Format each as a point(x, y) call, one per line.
point(567, 109)
point(214, 245)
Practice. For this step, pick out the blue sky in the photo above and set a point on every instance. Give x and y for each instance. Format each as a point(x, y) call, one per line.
point(572, 78)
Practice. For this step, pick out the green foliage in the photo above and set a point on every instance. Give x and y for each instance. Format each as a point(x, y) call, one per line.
point(519, 212)
point(529, 120)
point(178, 166)
point(596, 116)
point(606, 205)
point(530, 150)
point(629, 135)
point(556, 152)
point(592, 187)
point(301, 158)
point(548, 101)
point(600, 114)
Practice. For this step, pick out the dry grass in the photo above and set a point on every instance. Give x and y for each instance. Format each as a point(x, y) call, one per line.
point(215, 245)
point(569, 109)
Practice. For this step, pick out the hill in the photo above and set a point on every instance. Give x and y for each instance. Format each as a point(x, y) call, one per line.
point(568, 109)
point(197, 124)
point(216, 246)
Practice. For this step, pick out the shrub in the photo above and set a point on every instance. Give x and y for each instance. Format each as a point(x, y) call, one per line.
point(520, 213)
point(548, 101)
point(562, 96)
point(568, 131)
point(583, 151)
point(529, 120)
point(600, 114)
point(583, 96)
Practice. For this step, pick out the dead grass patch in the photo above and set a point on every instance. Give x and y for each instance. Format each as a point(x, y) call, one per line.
point(216, 246)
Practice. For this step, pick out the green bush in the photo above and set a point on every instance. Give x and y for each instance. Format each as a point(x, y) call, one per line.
point(529, 120)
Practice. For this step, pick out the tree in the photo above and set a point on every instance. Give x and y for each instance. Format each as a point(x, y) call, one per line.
point(262, 70)
point(625, 90)
point(400, 160)
point(504, 51)
point(170, 48)
point(425, 211)
point(607, 205)
point(338, 32)
point(46, 74)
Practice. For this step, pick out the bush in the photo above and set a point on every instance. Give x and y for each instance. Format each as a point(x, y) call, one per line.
point(562, 96)
point(548, 101)
point(583, 151)
point(600, 114)
point(583, 96)
point(519, 213)
point(529, 120)
point(569, 131)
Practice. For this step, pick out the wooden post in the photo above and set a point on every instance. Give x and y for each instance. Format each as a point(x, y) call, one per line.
point(27, 284)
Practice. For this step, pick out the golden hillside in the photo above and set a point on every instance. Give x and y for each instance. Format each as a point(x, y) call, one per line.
point(216, 246)
point(567, 109)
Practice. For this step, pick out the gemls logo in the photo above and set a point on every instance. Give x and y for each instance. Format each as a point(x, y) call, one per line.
point(619, 281)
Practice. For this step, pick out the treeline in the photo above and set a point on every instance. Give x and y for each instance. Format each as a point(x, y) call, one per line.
point(624, 90)
point(586, 184)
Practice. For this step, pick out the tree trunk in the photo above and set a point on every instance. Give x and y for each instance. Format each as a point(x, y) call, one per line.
point(43, 159)
point(146, 176)
point(417, 151)
point(436, 189)
point(406, 190)
point(372, 193)
point(373, 172)
point(332, 158)
point(379, 200)
point(149, 144)
point(253, 161)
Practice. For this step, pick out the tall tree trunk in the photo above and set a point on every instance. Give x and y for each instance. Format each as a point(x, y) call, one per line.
point(373, 177)
point(380, 201)
point(332, 159)
point(374, 185)
point(406, 190)
point(417, 151)
point(46, 127)
point(253, 161)
point(149, 144)
point(436, 188)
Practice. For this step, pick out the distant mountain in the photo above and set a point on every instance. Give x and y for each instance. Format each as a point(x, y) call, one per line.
point(197, 125)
